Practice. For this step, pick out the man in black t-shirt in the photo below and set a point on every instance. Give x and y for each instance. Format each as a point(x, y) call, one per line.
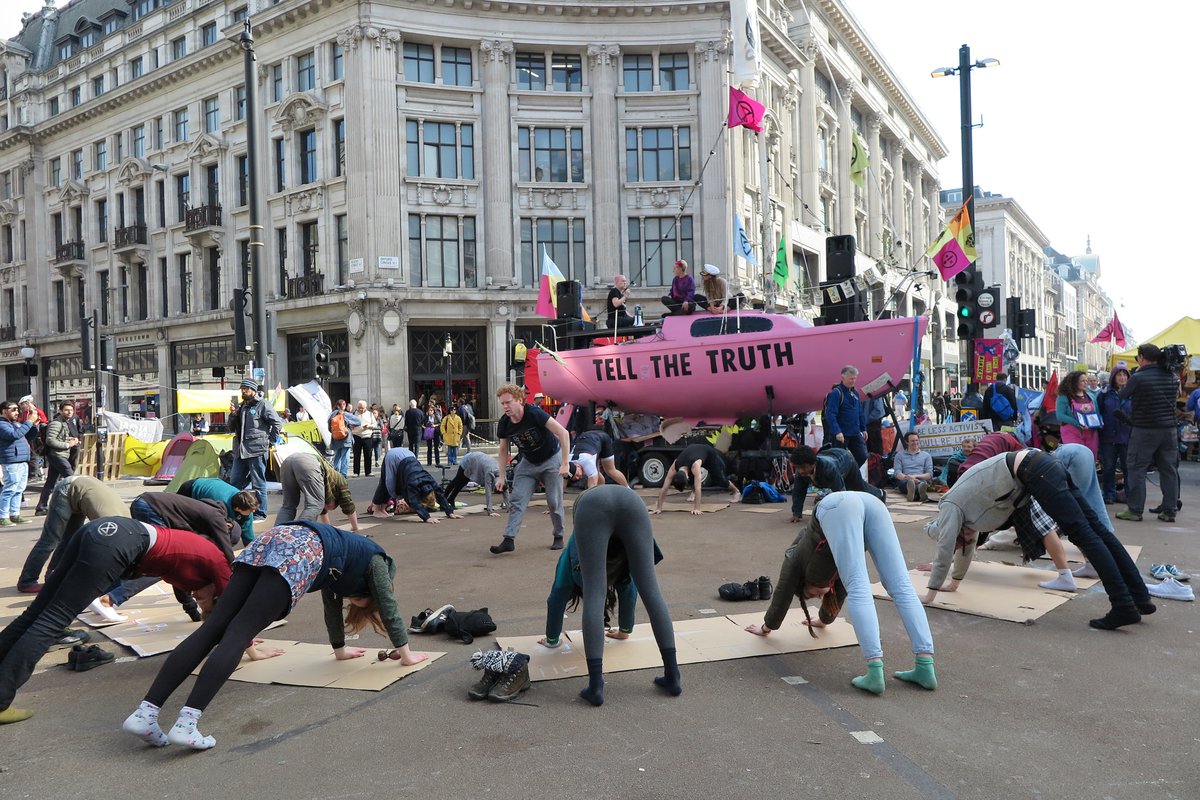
point(687, 469)
point(590, 447)
point(545, 448)
point(615, 305)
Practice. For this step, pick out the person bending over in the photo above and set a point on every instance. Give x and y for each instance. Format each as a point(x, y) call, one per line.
point(414, 489)
point(312, 488)
point(687, 469)
point(592, 447)
point(241, 506)
point(269, 578)
point(478, 468)
point(611, 523)
point(827, 561)
point(834, 469)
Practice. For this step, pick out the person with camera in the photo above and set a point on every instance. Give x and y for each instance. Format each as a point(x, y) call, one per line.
point(1153, 388)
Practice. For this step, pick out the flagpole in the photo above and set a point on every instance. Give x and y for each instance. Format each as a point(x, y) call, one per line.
point(767, 227)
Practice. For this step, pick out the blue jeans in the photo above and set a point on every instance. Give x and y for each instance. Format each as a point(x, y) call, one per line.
point(59, 520)
point(341, 459)
point(451, 455)
point(853, 521)
point(1112, 455)
point(856, 446)
point(15, 478)
point(1081, 466)
point(252, 470)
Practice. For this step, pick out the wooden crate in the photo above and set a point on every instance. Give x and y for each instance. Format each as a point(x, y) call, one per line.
point(114, 456)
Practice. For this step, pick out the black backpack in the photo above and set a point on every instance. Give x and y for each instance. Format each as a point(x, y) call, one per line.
point(466, 625)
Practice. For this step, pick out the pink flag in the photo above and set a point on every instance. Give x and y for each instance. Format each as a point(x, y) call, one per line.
point(1112, 332)
point(745, 110)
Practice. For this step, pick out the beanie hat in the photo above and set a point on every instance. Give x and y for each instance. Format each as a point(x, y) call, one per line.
point(249, 383)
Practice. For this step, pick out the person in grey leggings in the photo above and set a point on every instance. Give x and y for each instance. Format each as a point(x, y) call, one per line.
point(601, 515)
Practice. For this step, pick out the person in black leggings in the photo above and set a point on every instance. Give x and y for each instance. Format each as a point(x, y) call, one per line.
point(604, 516)
point(269, 578)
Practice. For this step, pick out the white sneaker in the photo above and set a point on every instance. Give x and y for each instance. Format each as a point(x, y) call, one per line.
point(1171, 589)
point(106, 613)
point(1086, 571)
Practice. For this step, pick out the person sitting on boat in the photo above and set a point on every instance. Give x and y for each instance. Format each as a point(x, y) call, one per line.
point(682, 299)
point(716, 299)
point(687, 469)
point(618, 317)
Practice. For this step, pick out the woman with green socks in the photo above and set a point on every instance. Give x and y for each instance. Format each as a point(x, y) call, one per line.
point(827, 561)
point(613, 525)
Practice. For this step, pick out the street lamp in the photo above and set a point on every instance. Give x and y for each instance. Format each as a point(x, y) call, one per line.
point(448, 355)
point(28, 353)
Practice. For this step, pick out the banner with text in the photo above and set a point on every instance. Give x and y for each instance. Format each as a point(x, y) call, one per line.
point(943, 441)
point(989, 359)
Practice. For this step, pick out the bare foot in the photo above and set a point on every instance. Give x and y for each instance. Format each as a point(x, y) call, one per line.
point(615, 633)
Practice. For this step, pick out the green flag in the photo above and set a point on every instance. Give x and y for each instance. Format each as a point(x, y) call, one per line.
point(782, 268)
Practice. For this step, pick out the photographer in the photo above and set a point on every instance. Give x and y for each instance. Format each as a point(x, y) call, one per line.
point(1153, 388)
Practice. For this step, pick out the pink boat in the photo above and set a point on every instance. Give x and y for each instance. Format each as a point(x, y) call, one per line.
point(712, 369)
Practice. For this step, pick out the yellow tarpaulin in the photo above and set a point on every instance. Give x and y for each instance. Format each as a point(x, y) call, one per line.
point(216, 401)
point(142, 458)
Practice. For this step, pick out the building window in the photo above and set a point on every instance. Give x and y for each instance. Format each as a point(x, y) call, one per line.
point(280, 165)
point(101, 221)
point(183, 195)
point(184, 273)
point(337, 62)
point(343, 246)
point(658, 154)
point(159, 133)
point(306, 72)
point(64, 51)
point(160, 195)
point(56, 172)
point(104, 290)
point(89, 39)
point(567, 73)
point(181, 124)
point(673, 72)
point(281, 254)
point(76, 96)
point(441, 250)
point(6, 187)
point(276, 83)
point(639, 72)
point(339, 147)
point(551, 154)
point(239, 102)
point(212, 114)
point(243, 171)
point(655, 243)
point(212, 181)
point(418, 63)
point(306, 145)
point(77, 165)
point(136, 67)
point(178, 48)
point(440, 149)
point(310, 247)
point(456, 66)
point(208, 34)
point(52, 107)
point(97, 86)
point(531, 71)
point(111, 25)
point(100, 155)
point(60, 306)
point(564, 242)
point(240, 14)
point(119, 141)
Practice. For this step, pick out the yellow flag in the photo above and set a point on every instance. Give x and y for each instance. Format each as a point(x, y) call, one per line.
point(859, 161)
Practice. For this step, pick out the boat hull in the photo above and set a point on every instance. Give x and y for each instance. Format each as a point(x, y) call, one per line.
point(722, 377)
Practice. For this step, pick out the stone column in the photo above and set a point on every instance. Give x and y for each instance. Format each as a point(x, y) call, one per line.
point(917, 233)
point(810, 181)
point(604, 171)
point(845, 189)
point(897, 215)
point(713, 225)
point(498, 177)
point(373, 145)
point(874, 190)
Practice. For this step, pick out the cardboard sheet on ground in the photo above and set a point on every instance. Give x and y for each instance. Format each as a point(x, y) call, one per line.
point(765, 508)
point(685, 507)
point(1073, 553)
point(998, 591)
point(906, 517)
point(696, 641)
point(307, 664)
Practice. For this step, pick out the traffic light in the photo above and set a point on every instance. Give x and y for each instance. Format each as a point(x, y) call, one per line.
point(240, 322)
point(989, 307)
point(323, 360)
point(970, 286)
point(85, 343)
point(313, 348)
point(1027, 324)
point(108, 353)
point(516, 355)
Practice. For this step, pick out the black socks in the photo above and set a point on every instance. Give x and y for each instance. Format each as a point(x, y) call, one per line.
point(594, 693)
point(670, 676)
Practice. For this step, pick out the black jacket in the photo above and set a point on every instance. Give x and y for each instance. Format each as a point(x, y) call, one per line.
point(1154, 391)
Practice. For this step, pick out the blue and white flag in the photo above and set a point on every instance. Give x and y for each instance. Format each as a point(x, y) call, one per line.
point(741, 242)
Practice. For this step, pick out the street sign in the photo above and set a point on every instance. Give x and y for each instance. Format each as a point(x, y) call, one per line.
point(987, 318)
point(987, 300)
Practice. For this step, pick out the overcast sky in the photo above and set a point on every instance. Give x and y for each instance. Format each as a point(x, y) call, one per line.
point(1085, 125)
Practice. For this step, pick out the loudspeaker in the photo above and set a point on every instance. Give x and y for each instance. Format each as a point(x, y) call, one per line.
point(839, 258)
point(570, 299)
point(848, 309)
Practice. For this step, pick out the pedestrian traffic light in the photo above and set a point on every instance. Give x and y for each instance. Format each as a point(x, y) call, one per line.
point(970, 286)
point(323, 360)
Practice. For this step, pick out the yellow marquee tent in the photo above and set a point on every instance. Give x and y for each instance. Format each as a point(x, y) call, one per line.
point(1185, 332)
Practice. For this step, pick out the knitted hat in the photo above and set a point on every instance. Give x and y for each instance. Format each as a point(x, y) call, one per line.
point(249, 383)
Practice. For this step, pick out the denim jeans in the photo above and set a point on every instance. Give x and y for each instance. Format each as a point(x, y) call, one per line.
point(853, 521)
point(451, 455)
point(341, 459)
point(525, 479)
point(856, 446)
point(58, 466)
point(15, 478)
point(1112, 456)
point(1080, 464)
point(59, 520)
point(252, 470)
point(96, 557)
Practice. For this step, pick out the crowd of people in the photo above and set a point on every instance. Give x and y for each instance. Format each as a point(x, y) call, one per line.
point(368, 431)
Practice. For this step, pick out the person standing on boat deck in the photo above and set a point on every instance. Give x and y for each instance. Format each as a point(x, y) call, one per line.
point(845, 419)
point(715, 299)
point(682, 299)
point(618, 317)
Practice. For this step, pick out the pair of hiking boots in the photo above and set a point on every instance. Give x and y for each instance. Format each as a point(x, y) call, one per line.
point(750, 590)
point(501, 687)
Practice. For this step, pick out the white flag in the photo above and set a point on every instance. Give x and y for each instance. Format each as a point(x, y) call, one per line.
point(747, 47)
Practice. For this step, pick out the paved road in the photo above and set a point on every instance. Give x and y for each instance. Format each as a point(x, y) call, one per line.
point(1053, 709)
